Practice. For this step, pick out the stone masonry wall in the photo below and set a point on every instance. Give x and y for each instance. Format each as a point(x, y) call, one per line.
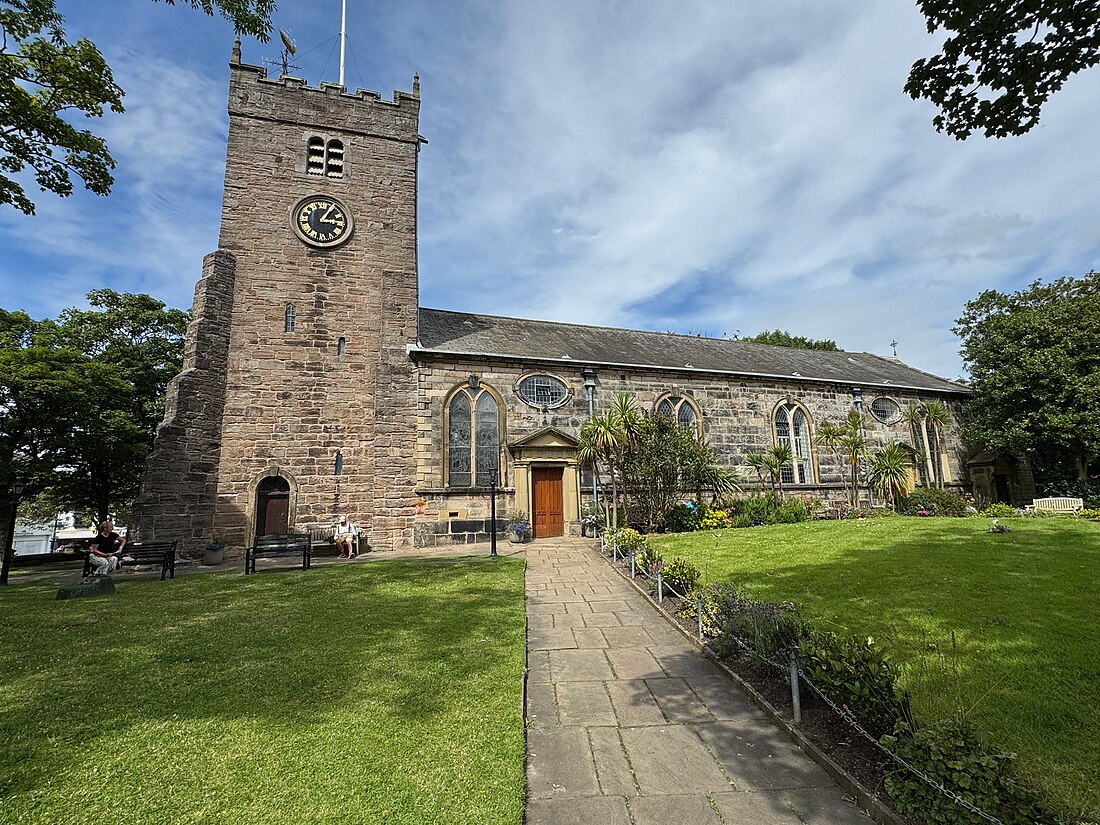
point(736, 415)
point(178, 495)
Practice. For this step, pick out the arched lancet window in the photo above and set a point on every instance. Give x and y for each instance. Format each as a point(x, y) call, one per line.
point(792, 427)
point(338, 469)
point(341, 345)
point(290, 317)
point(682, 409)
point(473, 438)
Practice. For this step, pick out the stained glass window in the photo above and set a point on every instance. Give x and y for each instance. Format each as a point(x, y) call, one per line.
point(542, 390)
point(678, 407)
point(793, 429)
point(473, 438)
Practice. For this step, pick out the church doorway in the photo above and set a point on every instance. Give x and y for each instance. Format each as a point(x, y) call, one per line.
point(549, 517)
point(273, 506)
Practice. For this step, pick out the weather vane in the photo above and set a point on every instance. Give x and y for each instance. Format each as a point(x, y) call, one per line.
point(289, 50)
point(894, 347)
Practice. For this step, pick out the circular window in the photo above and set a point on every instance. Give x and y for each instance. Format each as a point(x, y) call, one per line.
point(885, 409)
point(543, 391)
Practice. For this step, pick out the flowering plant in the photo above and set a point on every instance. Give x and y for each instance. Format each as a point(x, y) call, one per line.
point(519, 525)
point(924, 513)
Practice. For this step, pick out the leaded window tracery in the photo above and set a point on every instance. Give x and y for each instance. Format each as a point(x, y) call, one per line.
point(792, 427)
point(473, 438)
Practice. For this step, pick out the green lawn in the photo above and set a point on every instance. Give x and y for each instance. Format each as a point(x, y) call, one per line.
point(1024, 606)
point(364, 693)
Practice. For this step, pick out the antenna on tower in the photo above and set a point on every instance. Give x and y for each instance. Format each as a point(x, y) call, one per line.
point(289, 50)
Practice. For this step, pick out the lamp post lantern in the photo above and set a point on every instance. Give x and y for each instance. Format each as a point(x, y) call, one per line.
point(9, 540)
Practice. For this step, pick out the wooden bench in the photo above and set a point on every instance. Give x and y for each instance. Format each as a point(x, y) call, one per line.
point(43, 559)
point(285, 544)
point(162, 553)
point(324, 538)
point(1057, 505)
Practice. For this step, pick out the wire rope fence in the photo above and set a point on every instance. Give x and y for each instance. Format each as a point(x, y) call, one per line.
point(773, 636)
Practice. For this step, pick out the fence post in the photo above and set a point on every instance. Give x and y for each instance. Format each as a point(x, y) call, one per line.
point(614, 551)
point(699, 613)
point(633, 567)
point(660, 588)
point(796, 699)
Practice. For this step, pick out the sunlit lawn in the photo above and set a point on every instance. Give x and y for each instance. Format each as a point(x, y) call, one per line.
point(1024, 607)
point(380, 692)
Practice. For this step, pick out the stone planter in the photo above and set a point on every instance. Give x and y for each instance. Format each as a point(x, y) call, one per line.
point(520, 538)
point(214, 555)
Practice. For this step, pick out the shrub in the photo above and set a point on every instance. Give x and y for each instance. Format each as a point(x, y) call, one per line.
point(649, 558)
point(629, 540)
point(1091, 515)
point(999, 510)
point(742, 520)
point(757, 509)
point(950, 753)
point(935, 501)
point(683, 518)
point(791, 511)
point(713, 519)
point(856, 675)
point(767, 629)
point(681, 575)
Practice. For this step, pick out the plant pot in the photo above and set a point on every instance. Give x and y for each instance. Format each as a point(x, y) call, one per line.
point(214, 555)
point(520, 538)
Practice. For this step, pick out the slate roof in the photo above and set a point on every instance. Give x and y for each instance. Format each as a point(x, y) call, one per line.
point(443, 332)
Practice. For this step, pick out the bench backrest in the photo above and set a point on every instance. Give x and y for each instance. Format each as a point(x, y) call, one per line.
point(150, 548)
point(284, 541)
point(1064, 504)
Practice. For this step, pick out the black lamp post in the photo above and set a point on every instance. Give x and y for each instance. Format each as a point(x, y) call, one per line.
point(493, 514)
point(16, 492)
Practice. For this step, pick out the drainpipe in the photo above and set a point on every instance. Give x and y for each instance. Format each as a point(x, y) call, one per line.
point(589, 376)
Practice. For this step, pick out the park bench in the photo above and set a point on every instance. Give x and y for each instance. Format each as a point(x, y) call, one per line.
point(44, 559)
point(285, 544)
point(1057, 505)
point(161, 553)
point(324, 540)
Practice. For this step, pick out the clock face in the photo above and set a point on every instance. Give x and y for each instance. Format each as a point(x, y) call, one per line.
point(321, 221)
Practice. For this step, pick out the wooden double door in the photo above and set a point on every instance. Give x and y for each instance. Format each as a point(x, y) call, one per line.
point(548, 504)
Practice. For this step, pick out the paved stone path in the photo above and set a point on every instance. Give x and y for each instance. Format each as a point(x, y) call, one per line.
point(630, 725)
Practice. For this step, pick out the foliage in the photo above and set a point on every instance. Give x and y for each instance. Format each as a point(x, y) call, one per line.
point(681, 575)
point(46, 83)
point(1001, 61)
point(1027, 673)
point(934, 501)
point(683, 518)
point(649, 557)
point(769, 631)
point(713, 518)
point(420, 666)
point(1091, 514)
point(950, 752)
point(888, 473)
point(999, 510)
point(519, 524)
point(791, 511)
point(857, 675)
point(767, 509)
point(666, 460)
point(848, 442)
point(1034, 361)
point(771, 462)
point(782, 338)
point(627, 540)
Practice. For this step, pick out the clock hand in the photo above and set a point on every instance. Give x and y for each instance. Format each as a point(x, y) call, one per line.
point(325, 217)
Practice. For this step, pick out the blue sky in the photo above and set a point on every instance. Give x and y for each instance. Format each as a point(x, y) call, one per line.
point(700, 167)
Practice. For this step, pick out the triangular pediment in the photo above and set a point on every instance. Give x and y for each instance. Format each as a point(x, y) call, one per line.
point(546, 437)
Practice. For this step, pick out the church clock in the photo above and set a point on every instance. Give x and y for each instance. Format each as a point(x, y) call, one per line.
point(321, 221)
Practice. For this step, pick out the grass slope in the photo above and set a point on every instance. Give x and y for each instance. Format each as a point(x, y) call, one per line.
point(1024, 607)
point(368, 693)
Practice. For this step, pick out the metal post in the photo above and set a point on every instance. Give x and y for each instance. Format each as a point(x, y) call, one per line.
point(493, 516)
point(660, 588)
point(699, 613)
point(796, 700)
point(633, 567)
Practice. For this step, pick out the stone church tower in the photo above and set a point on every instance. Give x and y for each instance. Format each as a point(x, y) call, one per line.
point(297, 400)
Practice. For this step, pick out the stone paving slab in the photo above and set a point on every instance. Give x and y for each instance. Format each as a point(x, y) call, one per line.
point(628, 723)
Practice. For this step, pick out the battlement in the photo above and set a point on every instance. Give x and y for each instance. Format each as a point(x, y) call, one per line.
point(329, 105)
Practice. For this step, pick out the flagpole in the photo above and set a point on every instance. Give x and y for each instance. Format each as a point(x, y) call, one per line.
point(343, 35)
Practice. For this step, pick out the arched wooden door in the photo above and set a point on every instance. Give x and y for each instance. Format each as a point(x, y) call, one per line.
point(273, 506)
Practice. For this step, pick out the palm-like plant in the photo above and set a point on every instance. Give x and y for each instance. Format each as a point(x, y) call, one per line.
point(938, 416)
point(889, 473)
point(600, 441)
point(764, 465)
point(914, 415)
point(779, 456)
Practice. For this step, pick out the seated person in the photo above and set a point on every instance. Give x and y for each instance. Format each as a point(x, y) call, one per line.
point(346, 531)
point(105, 550)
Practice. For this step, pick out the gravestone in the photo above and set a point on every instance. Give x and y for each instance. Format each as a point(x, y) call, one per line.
point(88, 588)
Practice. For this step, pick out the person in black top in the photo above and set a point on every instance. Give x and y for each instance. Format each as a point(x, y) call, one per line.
point(105, 550)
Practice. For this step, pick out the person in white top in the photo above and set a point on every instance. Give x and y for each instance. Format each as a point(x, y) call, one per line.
point(346, 532)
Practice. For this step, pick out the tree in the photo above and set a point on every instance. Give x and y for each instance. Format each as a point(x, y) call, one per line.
point(914, 415)
point(46, 81)
point(782, 338)
point(937, 414)
point(848, 443)
point(1002, 60)
point(1034, 362)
